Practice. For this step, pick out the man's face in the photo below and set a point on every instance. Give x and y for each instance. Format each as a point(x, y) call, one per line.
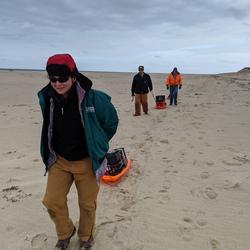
point(61, 84)
point(141, 71)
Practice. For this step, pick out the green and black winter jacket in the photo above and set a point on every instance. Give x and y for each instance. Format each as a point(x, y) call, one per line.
point(99, 119)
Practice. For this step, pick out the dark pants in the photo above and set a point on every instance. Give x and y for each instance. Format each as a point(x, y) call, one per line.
point(173, 94)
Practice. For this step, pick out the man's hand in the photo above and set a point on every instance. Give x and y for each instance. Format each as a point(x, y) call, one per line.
point(167, 86)
point(180, 86)
point(132, 99)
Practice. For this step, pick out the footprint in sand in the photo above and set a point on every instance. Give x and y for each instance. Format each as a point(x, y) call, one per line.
point(195, 162)
point(113, 232)
point(14, 194)
point(186, 231)
point(124, 191)
point(200, 219)
point(167, 185)
point(137, 171)
point(165, 159)
point(215, 244)
point(187, 219)
point(210, 163)
point(10, 152)
point(231, 163)
point(133, 137)
point(104, 223)
point(21, 156)
point(190, 224)
point(164, 196)
point(210, 193)
point(229, 185)
point(221, 130)
point(3, 113)
point(128, 205)
point(241, 158)
point(204, 175)
point(149, 139)
point(164, 141)
point(140, 145)
point(201, 222)
point(39, 241)
point(166, 171)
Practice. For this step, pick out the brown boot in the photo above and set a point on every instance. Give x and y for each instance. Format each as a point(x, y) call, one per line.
point(64, 244)
point(86, 244)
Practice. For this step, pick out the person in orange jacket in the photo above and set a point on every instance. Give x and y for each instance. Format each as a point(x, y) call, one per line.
point(173, 81)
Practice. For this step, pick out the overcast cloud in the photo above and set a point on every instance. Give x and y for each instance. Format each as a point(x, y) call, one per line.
point(118, 35)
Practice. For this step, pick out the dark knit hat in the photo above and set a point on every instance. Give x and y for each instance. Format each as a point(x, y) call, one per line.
point(61, 64)
point(140, 68)
point(175, 70)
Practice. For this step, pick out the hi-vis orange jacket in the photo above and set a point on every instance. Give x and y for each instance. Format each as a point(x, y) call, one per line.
point(172, 81)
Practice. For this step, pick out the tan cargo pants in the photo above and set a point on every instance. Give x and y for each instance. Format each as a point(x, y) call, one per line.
point(60, 178)
point(141, 100)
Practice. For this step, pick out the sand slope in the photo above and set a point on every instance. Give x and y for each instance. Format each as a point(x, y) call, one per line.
point(189, 184)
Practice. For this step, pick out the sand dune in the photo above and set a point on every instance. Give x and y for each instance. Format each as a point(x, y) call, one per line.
point(188, 188)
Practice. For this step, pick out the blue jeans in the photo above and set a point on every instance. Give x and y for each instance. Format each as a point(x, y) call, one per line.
point(173, 94)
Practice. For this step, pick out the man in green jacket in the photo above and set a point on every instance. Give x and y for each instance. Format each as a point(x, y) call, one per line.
point(78, 123)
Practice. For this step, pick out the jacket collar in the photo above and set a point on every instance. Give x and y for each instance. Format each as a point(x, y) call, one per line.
point(84, 82)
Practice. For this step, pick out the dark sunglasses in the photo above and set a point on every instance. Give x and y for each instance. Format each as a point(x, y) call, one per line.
point(60, 79)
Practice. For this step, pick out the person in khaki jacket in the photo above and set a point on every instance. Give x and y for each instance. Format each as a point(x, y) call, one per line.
point(78, 123)
point(173, 82)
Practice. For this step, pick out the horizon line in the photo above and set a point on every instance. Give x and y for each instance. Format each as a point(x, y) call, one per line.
point(102, 71)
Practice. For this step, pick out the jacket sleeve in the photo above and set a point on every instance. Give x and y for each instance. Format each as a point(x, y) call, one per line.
point(150, 85)
point(106, 114)
point(168, 80)
point(133, 87)
point(180, 81)
point(44, 150)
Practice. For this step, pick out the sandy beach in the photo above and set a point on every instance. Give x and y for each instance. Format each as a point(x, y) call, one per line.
point(189, 185)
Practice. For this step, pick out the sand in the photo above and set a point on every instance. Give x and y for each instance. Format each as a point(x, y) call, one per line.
point(189, 185)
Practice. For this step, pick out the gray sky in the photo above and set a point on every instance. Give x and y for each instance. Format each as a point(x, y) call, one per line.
point(197, 36)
